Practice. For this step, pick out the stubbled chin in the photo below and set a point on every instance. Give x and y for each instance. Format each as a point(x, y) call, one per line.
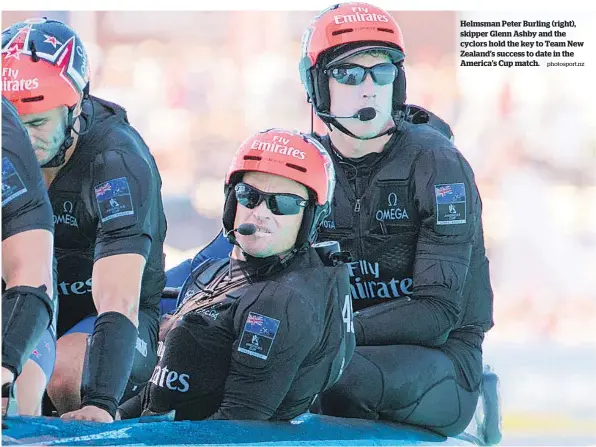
point(42, 156)
point(257, 241)
point(256, 250)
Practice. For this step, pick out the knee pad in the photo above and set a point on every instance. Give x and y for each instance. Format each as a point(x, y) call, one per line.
point(26, 313)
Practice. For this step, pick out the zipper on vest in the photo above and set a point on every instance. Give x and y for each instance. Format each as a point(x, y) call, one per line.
point(357, 206)
point(359, 217)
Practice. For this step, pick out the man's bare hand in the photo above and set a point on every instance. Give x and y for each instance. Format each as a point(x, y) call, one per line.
point(89, 413)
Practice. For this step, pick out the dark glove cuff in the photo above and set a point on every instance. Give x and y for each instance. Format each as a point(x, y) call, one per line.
point(107, 403)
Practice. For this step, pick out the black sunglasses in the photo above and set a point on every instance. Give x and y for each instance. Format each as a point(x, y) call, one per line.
point(352, 74)
point(280, 204)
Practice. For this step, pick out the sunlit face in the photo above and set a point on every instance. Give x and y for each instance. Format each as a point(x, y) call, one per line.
point(47, 131)
point(346, 99)
point(275, 233)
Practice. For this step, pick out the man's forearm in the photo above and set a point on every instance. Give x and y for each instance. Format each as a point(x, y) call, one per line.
point(114, 291)
point(108, 361)
point(110, 349)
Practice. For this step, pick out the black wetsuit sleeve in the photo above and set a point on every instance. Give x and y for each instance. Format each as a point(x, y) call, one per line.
point(274, 335)
point(449, 208)
point(121, 195)
point(25, 202)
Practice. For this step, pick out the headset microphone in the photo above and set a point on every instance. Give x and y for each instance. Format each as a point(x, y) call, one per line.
point(365, 114)
point(245, 229)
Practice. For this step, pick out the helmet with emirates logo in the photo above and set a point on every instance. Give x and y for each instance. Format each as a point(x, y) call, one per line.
point(293, 155)
point(45, 66)
point(342, 31)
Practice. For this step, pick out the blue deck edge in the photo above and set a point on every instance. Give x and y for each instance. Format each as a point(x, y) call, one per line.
point(308, 429)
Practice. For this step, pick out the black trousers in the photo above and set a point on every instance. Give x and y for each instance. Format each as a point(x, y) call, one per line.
point(403, 383)
point(188, 378)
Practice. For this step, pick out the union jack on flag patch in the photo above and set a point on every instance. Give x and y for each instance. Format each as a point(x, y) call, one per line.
point(101, 190)
point(255, 319)
point(442, 191)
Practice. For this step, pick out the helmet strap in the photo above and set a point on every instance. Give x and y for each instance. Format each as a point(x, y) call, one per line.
point(89, 119)
point(343, 129)
point(270, 265)
point(59, 159)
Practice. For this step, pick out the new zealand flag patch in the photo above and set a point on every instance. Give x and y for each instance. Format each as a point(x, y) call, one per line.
point(258, 335)
point(12, 184)
point(451, 203)
point(113, 199)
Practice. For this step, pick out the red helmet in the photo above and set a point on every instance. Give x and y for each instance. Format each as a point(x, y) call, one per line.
point(293, 155)
point(44, 66)
point(345, 28)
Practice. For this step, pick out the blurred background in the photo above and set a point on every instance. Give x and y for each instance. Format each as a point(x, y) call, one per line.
point(195, 84)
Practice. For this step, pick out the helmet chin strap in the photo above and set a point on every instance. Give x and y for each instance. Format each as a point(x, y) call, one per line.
point(282, 258)
point(270, 264)
point(343, 129)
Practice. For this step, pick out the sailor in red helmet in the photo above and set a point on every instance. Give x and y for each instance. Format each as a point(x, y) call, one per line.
point(258, 334)
point(104, 188)
point(408, 209)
